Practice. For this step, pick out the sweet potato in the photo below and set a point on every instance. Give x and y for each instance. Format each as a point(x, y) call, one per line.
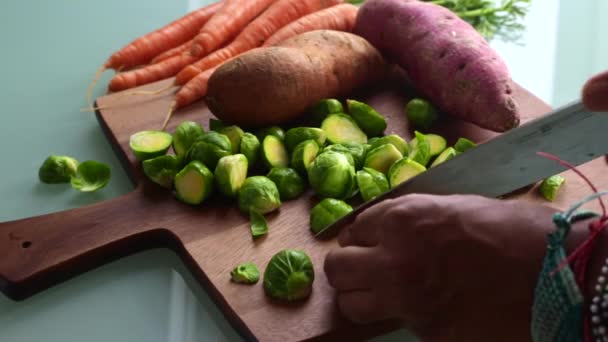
point(447, 60)
point(274, 85)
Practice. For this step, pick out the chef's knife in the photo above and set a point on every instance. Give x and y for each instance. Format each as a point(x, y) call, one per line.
point(510, 161)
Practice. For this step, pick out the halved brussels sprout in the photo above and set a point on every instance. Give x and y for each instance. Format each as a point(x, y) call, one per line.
point(421, 113)
point(370, 121)
point(250, 147)
point(421, 151)
point(296, 135)
point(371, 183)
point(341, 128)
point(320, 110)
point(288, 181)
point(394, 139)
point(260, 194)
point(245, 273)
point(437, 144)
point(209, 149)
point(289, 275)
point(274, 130)
point(550, 187)
point(382, 157)
point(356, 151)
point(230, 174)
point(274, 153)
point(194, 183)
point(234, 134)
point(326, 212)
point(332, 175)
point(446, 155)
point(303, 155)
point(463, 144)
point(402, 170)
point(162, 170)
point(91, 176)
point(185, 135)
point(57, 169)
point(150, 144)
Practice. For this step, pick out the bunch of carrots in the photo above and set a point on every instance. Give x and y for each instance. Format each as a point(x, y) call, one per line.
point(191, 48)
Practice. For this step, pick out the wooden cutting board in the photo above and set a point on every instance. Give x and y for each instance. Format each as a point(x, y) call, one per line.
point(39, 252)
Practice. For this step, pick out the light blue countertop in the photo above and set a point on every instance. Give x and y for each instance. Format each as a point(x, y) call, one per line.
point(50, 52)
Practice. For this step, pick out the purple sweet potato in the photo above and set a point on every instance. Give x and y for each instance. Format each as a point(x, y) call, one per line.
point(445, 57)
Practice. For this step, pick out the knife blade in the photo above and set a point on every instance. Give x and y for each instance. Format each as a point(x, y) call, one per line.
point(509, 161)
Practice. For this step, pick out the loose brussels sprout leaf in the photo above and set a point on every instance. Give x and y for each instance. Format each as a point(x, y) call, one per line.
point(370, 121)
point(320, 110)
point(394, 139)
point(185, 135)
point(194, 183)
point(421, 152)
point(421, 113)
point(341, 128)
point(382, 157)
point(259, 227)
point(446, 155)
point(356, 151)
point(274, 130)
point(210, 149)
point(371, 183)
point(250, 147)
point(215, 125)
point(402, 170)
point(303, 155)
point(463, 144)
point(234, 134)
point(326, 212)
point(230, 174)
point(91, 176)
point(260, 194)
point(296, 135)
point(550, 187)
point(332, 175)
point(162, 170)
point(437, 144)
point(246, 273)
point(57, 169)
point(274, 153)
point(288, 181)
point(289, 275)
point(150, 144)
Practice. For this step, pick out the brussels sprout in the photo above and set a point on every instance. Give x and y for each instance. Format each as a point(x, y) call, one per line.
point(91, 176)
point(209, 149)
point(259, 194)
point(403, 170)
point(289, 275)
point(437, 144)
point(421, 152)
point(234, 134)
point(371, 183)
point(150, 144)
point(246, 273)
point(341, 128)
point(274, 153)
point(57, 169)
point(446, 155)
point(332, 175)
point(259, 227)
point(162, 170)
point(250, 147)
point(356, 151)
point(185, 135)
point(382, 157)
point(288, 181)
point(194, 183)
point(274, 130)
point(394, 139)
point(303, 155)
point(550, 187)
point(215, 124)
point(326, 212)
point(320, 110)
point(370, 121)
point(463, 144)
point(421, 113)
point(230, 174)
point(296, 135)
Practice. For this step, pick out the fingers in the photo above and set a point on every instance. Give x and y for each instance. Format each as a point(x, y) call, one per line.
point(353, 268)
point(595, 93)
point(363, 306)
point(365, 230)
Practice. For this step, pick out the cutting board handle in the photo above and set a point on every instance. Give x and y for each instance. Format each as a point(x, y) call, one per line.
point(38, 252)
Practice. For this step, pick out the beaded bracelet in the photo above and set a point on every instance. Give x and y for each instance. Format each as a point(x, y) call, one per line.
point(599, 306)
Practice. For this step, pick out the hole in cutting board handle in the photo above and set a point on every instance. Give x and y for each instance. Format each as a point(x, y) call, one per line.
point(26, 244)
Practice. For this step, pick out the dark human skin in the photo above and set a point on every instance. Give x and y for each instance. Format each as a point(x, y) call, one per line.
point(452, 268)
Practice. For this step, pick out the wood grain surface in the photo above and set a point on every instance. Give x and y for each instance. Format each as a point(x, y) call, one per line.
point(39, 252)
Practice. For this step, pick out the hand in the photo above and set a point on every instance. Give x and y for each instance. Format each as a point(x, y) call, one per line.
point(455, 268)
point(595, 93)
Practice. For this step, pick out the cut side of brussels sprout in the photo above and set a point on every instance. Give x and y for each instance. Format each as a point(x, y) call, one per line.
point(393, 139)
point(332, 175)
point(150, 144)
point(382, 157)
point(57, 169)
point(370, 121)
point(341, 128)
point(194, 183)
point(296, 135)
point(320, 110)
point(245, 273)
point(259, 226)
point(421, 113)
point(550, 187)
point(446, 155)
point(210, 149)
point(326, 212)
point(185, 135)
point(230, 174)
point(356, 151)
point(250, 147)
point(259, 194)
point(371, 183)
point(303, 155)
point(234, 134)
point(162, 170)
point(274, 152)
point(91, 176)
point(288, 181)
point(463, 144)
point(402, 170)
point(274, 130)
point(437, 144)
point(421, 153)
point(289, 276)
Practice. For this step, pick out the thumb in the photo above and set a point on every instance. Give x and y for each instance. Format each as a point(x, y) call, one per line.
point(595, 93)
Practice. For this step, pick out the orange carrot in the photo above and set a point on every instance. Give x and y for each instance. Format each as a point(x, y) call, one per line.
point(178, 50)
point(278, 15)
point(151, 73)
point(338, 18)
point(234, 16)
